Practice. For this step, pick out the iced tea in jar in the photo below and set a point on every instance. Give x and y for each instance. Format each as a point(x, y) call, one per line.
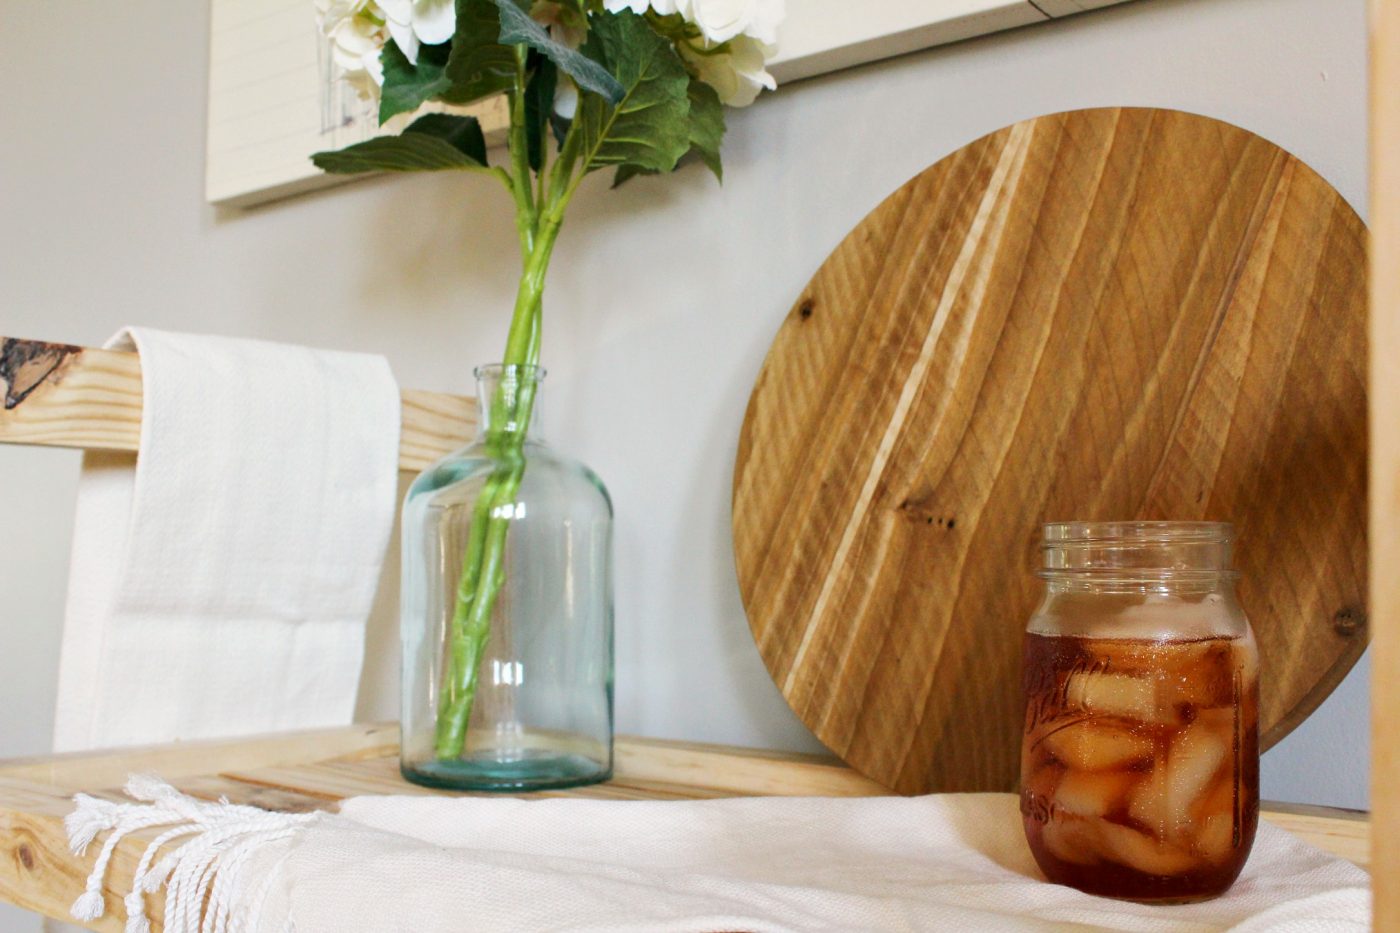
point(1140, 756)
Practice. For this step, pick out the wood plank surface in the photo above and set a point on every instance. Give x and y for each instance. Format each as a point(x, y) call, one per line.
point(37, 871)
point(1385, 458)
point(74, 771)
point(1098, 315)
point(1344, 833)
point(60, 395)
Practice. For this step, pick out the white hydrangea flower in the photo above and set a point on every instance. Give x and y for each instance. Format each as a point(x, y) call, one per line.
point(357, 33)
point(767, 17)
point(749, 26)
point(664, 7)
point(719, 20)
point(412, 23)
point(722, 20)
point(566, 99)
point(552, 15)
point(737, 75)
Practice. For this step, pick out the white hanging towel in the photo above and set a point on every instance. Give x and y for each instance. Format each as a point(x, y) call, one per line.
point(955, 862)
point(220, 582)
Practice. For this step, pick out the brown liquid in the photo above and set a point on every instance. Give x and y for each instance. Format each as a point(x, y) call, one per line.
point(1140, 764)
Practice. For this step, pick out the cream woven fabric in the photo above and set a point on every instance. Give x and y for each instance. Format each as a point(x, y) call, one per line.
point(220, 583)
point(953, 862)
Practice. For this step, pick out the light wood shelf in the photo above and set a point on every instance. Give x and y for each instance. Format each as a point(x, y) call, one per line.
point(60, 395)
point(1384, 530)
point(299, 772)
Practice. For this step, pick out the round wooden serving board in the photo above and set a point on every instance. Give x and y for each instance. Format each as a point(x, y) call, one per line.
point(1104, 314)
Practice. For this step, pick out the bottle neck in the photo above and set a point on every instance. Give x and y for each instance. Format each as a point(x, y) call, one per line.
point(508, 400)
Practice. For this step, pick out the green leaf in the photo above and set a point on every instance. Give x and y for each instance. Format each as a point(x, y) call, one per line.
point(463, 132)
point(539, 104)
point(706, 130)
point(649, 127)
point(408, 86)
point(407, 152)
point(518, 28)
point(479, 65)
point(706, 125)
point(626, 173)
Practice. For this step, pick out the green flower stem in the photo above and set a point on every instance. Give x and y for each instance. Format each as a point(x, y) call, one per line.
point(482, 576)
point(483, 565)
point(638, 111)
point(466, 645)
point(526, 208)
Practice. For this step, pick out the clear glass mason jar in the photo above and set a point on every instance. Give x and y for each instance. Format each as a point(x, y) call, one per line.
point(1140, 756)
point(519, 696)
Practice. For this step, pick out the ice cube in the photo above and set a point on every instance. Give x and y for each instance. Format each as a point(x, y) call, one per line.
point(1202, 674)
point(1215, 839)
point(1172, 617)
point(1220, 721)
point(1148, 803)
point(1215, 816)
point(1219, 799)
point(1127, 846)
point(1092, 793)
point(1193, 760)
point(1034, 754)
point(1072, 840)
point(1116, 695)
point(1171, 797)
point(1094, 746)
point(1042, 779)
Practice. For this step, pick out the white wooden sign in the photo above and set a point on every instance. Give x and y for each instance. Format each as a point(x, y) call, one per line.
point(272, 104)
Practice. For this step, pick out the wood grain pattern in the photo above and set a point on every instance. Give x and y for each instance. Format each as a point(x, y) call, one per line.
point(59, 395)
point(1385, 457)
point(74, 771)
point(1103, 314)
point(38, 872)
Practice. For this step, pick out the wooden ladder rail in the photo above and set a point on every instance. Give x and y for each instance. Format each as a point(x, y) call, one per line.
point(60, 395)
point(1384, 529)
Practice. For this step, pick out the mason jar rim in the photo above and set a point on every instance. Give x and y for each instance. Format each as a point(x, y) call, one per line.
point(1131, 533)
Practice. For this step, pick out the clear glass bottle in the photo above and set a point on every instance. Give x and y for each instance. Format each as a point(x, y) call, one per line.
point(541, 715)
point(1140, 756)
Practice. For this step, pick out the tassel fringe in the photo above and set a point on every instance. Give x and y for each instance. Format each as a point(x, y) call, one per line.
point(205, 876)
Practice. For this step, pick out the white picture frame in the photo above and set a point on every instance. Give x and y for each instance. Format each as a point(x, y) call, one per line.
point(271, 103)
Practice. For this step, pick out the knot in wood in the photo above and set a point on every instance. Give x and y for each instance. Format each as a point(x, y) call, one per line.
point(1349, 621)
point(26, 364)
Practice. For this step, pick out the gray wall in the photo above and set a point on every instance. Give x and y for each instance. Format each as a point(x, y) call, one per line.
point(663, 297)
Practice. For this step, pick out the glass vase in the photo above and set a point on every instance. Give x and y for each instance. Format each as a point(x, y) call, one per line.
point(539, 713)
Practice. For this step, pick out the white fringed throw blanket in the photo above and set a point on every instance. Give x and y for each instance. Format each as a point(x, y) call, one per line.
point(430, 864)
